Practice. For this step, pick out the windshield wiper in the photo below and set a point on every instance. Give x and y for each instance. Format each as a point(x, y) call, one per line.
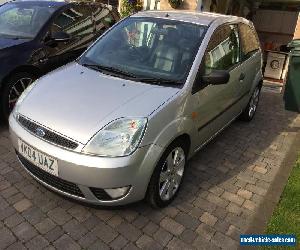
point(116, 71)
point(13, 37)
point(113, 70)
point(160, 81)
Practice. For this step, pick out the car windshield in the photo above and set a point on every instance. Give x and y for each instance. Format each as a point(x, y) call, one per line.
point(152, 50)
point(23, 20)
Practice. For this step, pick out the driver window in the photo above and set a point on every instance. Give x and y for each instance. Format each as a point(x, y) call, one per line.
point(223, 51)
point(74, 21)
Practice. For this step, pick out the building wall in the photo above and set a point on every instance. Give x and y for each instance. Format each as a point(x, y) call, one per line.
point(297, 33)
point(241, 8)
point(220, 6)
point(272, 30)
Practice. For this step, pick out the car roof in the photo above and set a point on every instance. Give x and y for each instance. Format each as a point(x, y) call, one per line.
point(52, 2)
point(201, 18)
point(42, 2)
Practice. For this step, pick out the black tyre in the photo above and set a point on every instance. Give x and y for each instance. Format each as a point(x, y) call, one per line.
point(13, 87)
point(167, 176)
point(251, 108)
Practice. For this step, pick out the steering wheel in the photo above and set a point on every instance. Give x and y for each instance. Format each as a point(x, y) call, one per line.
point(11, 22)
point(135, 50)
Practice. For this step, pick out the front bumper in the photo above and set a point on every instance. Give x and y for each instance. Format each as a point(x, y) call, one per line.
point(90, 173)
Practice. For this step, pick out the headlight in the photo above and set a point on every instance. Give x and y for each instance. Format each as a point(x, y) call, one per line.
point(119, 138)
point(22, 97)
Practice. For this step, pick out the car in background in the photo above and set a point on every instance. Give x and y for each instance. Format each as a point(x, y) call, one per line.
point(39, 36)
point(120, 123)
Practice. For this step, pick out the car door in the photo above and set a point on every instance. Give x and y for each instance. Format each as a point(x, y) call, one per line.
point(215, 104)
point(75, 22)
point(251, 59)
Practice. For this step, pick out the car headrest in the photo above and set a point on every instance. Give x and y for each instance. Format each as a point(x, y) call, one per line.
point(171, 35)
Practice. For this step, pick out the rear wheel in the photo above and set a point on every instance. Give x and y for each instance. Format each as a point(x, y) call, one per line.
point(167, 176)
point(251, 108)
point(13, 88)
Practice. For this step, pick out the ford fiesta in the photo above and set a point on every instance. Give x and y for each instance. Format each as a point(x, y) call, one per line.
point(119, 124)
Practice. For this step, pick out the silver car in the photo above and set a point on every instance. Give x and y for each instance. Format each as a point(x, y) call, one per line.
point(120, 123)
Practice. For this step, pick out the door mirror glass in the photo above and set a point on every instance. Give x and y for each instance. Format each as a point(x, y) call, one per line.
point(60, 36)
point(216, 77)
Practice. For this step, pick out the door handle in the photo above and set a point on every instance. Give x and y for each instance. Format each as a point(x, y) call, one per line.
point(43, 60)
point(242, 77)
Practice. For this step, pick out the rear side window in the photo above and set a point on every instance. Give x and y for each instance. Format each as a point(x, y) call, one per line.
point(223, 51)
point(103, 16)
point(249, 40)
point(74, 21)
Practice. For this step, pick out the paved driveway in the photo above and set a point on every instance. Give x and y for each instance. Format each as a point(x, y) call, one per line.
point(224, 185)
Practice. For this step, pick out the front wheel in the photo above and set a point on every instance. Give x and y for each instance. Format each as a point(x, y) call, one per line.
point(167, 176)
point(13, 88)
point(251, 108)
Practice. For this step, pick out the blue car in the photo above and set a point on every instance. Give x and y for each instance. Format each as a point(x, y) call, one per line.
point(39, 36)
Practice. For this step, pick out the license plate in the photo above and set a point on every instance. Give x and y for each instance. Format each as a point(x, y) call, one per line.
point(39, 159)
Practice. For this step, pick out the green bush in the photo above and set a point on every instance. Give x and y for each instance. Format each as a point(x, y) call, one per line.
point(128, 7)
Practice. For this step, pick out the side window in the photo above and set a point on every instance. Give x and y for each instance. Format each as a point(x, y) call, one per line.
point(103, 17)
point(249, 40)
point(74, 21)
point(223, 50)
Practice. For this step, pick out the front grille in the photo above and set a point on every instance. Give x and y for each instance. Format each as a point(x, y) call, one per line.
point(53, 181)
point(49, 135)
point(100, 194)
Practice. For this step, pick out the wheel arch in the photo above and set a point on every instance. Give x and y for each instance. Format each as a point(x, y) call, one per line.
point(258, 81)
point(24, 68)
point(184, 139)
point(4, 87)
point(179, 128)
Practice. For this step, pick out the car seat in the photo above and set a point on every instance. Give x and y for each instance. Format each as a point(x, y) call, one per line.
point(166, 54)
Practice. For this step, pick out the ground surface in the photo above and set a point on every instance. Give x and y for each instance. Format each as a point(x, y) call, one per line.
point(224, 186)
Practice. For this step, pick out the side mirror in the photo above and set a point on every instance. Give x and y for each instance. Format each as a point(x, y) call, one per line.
point(60, 37)
point(216, 77)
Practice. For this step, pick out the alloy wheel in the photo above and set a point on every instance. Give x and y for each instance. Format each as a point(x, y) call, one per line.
point(171, 174)
point(254, 102)
point(16, 90)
